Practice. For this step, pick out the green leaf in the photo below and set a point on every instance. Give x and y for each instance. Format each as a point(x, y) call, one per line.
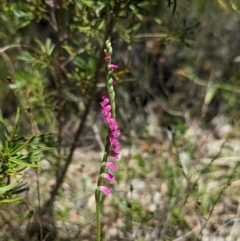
point(85, 29)
point(10, 186)
point(38, 151)
point(210, 94)
point(12, 171)
point(68, 48)
point(31, 158)
point(11, 200)
point(24, 164)
point(145, 4)
point(40, 44)
point(20, 188)
point(140, 161)
point(3, 131)
point(20, 146)
point(43, 137)
point(16, 122)
point(235, 5)
point(136, 27)
point(158, 20)
point(224, 4)
point(49, 47)
point(4, 144)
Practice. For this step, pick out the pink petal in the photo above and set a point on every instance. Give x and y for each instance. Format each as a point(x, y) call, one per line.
point(106, 110)
point(112, 66)
point(116, 133)
point(105, 190)
point(107, 117)
point(113, 124)
point(114, 142)
point(113, 154)
point(116, 146)
point(107, 58)
point(112, 139)
point(104, 102)
point(109, 177)
point(111, 165)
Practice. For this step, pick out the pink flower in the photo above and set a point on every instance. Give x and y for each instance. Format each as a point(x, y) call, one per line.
point(105, 190)
point(107, 117)
point(107, 58)
point(116, 146)
point(114, 142)
point(106, 110)
point(112, 139)
point(112, 66)
point(104, 102)
point(113, 124)
point(109, 177)
point(111, 165)
point(113, 154)
point(114, 82)
point(116, 133)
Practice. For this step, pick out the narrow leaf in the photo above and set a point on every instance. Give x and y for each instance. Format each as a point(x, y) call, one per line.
point(10, 200)
point(19, 147)
point(25, 164)
point(10, 186)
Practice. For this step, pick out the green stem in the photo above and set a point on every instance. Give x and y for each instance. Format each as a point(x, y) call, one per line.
point(98, 214)
point(97, 192)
